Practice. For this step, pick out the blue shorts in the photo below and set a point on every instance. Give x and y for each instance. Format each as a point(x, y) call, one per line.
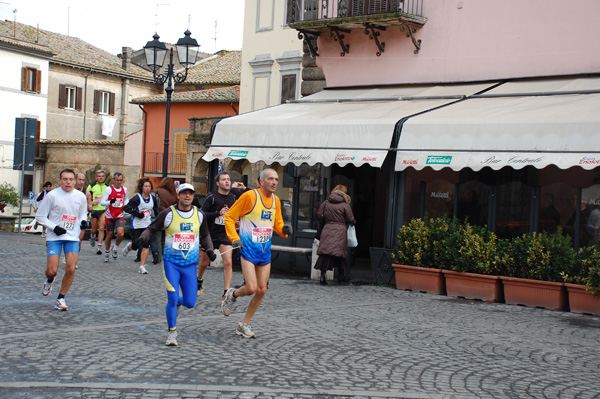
point(257, 262)
point(56, 247)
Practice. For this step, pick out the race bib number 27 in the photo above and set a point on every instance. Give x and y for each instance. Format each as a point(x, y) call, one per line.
point(184, 241)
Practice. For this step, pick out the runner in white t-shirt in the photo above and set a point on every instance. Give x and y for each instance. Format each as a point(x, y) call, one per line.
point(64, 213)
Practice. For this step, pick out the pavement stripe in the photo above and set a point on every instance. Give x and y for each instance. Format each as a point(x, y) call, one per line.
point(223, 388)
point(180, 320)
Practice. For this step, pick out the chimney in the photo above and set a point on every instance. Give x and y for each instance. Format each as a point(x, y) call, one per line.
point(126, 58)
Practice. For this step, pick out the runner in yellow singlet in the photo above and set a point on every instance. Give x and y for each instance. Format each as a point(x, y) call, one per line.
point(260, 215)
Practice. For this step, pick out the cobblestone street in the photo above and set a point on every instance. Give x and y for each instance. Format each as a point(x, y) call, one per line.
point(313, 341)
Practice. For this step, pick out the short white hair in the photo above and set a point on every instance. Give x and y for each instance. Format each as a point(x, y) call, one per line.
point(264, 172)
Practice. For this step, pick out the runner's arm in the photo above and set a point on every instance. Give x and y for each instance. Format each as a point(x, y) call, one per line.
point(42, 215)
point(205, 240)
point(83, 212)
point(241, 207)
point(132, 206)
point(88, 195)
point(278, 224)
point(104, 201)
point(155, 226)
point(208, 202)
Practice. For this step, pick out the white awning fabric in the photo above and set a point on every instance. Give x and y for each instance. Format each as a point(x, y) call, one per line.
point(517, 124)
point(341, 126)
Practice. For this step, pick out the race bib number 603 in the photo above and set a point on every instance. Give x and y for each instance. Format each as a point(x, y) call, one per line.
point(184, 241)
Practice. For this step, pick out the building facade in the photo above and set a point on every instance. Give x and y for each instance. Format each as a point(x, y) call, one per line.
point(272, 57)
point(24, 94)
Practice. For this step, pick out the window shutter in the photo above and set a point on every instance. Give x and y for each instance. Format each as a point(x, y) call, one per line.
point(112, 104)
point(62, 94)
point(23, 79)
point(38, 134)
point(78, 98)
point(288, 88)
point(38, 81)
point(97, 97)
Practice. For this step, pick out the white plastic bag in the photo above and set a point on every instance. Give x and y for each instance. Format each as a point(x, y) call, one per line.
point(352, 240)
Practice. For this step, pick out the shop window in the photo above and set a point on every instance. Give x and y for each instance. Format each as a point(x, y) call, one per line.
point(556, 206)
point(513, 209)
point(439, 199)
point(473, 202)
point(310, 195)
point(591, 197)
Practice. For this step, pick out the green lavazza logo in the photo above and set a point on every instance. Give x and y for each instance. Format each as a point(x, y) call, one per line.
point(237, 153)
point(438, 160)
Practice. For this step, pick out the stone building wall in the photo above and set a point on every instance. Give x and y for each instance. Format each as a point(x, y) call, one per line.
point(87, 157)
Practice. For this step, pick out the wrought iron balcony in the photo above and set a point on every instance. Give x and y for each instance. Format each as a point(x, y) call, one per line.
point(313, 17)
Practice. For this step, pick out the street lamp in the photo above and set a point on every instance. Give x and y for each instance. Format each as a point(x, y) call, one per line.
point(156, 51)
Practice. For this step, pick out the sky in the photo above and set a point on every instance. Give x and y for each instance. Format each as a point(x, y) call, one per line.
point(112, 24)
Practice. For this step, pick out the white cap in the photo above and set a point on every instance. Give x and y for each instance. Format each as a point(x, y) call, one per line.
point(185, 186)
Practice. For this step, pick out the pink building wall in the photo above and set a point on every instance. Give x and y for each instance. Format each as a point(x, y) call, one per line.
point(470, 40)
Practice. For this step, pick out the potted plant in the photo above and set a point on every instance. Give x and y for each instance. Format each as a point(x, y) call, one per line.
point(474, 265)
point(534, 266)
point(8, 196)
point(583, 285)
point(415, 256)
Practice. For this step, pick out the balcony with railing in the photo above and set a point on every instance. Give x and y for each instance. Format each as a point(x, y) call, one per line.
point(153, 163)
point(313, 17)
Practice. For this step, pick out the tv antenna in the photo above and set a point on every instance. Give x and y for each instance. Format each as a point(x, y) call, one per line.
point(156, 15)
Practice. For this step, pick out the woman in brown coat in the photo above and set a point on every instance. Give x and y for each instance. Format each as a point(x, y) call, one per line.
point(333, 247)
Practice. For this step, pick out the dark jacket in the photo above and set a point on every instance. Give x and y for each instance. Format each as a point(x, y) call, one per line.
point(337, 214)
point(166, 198)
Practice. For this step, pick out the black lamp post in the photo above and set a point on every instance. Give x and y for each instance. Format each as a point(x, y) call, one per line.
point(156, 51)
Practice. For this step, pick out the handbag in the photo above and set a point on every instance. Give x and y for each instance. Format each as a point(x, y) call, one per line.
point(322, 223)
point(352, 240)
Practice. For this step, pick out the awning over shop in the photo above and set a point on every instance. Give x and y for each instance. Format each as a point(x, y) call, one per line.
point(341, 126)
point(517, 124)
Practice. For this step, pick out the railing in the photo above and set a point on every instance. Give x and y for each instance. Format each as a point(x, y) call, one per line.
point(312, 10)
point(153, 163)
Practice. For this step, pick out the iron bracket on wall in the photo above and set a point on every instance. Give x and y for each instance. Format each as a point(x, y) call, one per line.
point(310, 39)
point(410, 33)
point(374, 32)
point(338, 36)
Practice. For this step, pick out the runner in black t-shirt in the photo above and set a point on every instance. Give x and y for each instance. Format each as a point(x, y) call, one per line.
point(216, 204)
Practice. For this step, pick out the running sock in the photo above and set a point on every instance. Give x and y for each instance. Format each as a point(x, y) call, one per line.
point(61, 296)
point(50, 280)
point(224, 292)
point(233, 295)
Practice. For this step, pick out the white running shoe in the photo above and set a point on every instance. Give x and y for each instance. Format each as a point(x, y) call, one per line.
point(46, 288)
point(93, 241)
point(126, 250)
point(106, 255)
point(61, 304)
point(99, 249)
point(228, 303)
point(115, 252)
point(172, 339)
point(143, 269)
point(245, 331)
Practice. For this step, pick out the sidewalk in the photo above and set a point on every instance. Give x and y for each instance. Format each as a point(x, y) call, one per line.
point(313, 341)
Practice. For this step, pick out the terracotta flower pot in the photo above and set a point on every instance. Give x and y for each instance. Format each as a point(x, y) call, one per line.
point(581, 301)
point(534, 293)
point(419, 279)
point(474, 286)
